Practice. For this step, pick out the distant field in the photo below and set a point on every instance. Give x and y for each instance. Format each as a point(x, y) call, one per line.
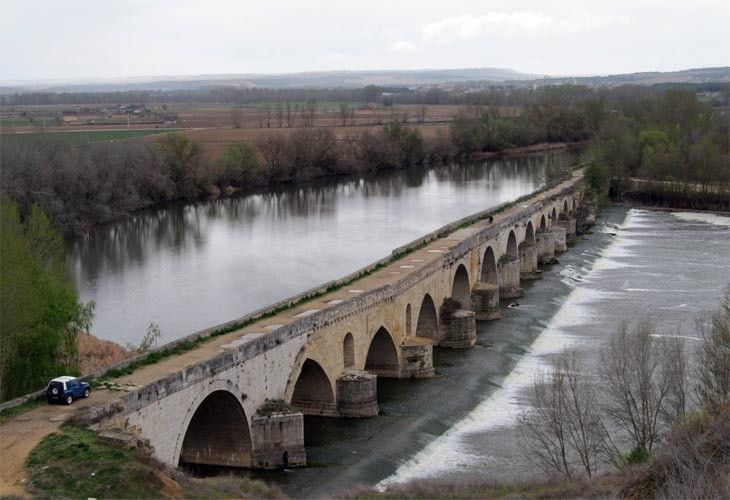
point(214, 140)
point(76, 137)
point(16, 122)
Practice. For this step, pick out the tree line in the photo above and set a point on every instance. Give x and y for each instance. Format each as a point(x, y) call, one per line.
point(668, 137)
point(40, 313)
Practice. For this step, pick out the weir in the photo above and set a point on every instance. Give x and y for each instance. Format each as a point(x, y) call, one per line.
point(239, 398)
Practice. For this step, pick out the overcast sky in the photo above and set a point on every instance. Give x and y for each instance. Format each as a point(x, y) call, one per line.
point(58, 39)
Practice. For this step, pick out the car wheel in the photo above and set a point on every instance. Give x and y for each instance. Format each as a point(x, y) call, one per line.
point(69, 400)
point(86, 393)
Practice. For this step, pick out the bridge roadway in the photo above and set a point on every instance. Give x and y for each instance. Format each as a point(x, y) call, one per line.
point(209, 405)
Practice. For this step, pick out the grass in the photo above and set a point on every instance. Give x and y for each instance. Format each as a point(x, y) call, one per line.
point(272, 406)
point(19, 122)
point(74, 463)
point(88, 136)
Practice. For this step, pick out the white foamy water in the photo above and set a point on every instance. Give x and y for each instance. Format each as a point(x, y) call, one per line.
point(715, 219)
point(448, 452)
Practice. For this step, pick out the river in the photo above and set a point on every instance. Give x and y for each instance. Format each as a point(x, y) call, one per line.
point(189, 266)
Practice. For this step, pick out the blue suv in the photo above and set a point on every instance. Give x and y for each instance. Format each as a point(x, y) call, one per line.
point(66, 389)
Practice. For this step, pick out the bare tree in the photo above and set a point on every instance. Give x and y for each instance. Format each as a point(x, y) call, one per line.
point(309, 112)
point(279, 114)
point(695, 458)
point(267, 114)
point(638, 381)
point(344, 112)
point(421, 114)
point(674, 365)
point(236, 116)
point(712, 369)
point(289, 115)
point(563, 432)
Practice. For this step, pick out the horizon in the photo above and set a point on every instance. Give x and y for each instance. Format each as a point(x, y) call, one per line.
point(164, 77)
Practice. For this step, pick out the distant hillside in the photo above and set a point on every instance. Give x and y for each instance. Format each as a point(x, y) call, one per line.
point(329, 79)
point(358, 79)
point(699, 75)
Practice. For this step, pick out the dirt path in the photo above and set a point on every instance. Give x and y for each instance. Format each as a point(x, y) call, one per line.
point(21, 434)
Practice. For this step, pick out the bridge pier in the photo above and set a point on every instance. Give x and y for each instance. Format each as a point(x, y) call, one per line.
point(569, 225)
point(460, 330)
point(560, 240)
point(357, 394)
point(509, 278)
point(417, 355)
point(278, 441)
point(485, 299)
point(528, 261)
point(546, 245)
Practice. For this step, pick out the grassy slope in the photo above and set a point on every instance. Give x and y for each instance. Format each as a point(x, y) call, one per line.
point(73, 463)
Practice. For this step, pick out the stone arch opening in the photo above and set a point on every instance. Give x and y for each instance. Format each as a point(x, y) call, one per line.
point(313, 393)
point(218, 434)
point(427, 325)
point(409, 321)
point(511, 251)
point(543, 223)
point(382, 358)
point(564, 215)
point(529, 233)
point(348, 351)
point(554, 216)
point(489, 267)
point(460, 289)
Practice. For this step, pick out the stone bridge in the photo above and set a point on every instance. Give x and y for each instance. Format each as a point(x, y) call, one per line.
point(238, 399)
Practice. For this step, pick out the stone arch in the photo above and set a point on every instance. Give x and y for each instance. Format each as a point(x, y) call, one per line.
point(409, 321)
point(529, 233)
point(348, 351)
point(382, 358)
point(554, 216)
point(313, 393)
point(218, 433)
point(511, 250)
point(489, 267)
point(543, 223)
point(428, 324)
point(564, 215)
point(460, 288)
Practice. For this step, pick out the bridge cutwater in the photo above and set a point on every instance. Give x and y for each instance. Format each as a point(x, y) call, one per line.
point(238, 399)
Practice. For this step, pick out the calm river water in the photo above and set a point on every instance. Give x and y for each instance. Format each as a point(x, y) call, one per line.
point(190, 266)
